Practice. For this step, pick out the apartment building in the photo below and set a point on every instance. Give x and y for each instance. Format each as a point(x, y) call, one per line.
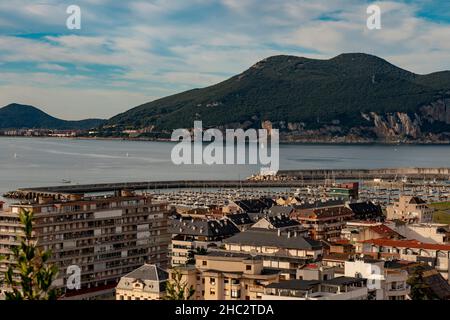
point(189, 234)
point(222, 275)
point(411, 210)
point(147, 282)
point(323, 223)
point(340, 288)
point(105, 236)
point(280, 250)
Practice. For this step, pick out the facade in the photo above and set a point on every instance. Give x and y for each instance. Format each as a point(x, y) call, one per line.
point(189, 235)
point(323, 223)
point(145, 283)
point(340, 288)
point(222, 275)
point(411, 210)
point(105, 236)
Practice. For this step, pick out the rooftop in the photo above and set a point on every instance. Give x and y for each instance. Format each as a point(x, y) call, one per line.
point(148, 272)
point(408, 244)
point(273, 238)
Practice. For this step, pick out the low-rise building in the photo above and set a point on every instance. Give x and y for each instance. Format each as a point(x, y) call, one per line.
point(411, 210)
point(145, 283)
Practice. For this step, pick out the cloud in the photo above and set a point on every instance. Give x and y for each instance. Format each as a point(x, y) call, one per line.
point(130, 51)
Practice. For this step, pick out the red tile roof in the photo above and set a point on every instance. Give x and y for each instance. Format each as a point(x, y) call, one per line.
point(383, 230)
point(408, 244)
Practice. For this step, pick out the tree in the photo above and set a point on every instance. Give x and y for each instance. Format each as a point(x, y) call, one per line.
point(419, 289)
point(198, 251)
point(29, 276)
point(177, 289)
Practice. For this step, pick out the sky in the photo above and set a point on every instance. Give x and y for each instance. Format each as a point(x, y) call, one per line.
point(131, 52)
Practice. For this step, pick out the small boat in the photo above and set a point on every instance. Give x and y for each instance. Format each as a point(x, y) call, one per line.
point(66, 181)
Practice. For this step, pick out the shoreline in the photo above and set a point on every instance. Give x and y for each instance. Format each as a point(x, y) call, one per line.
point(283, 142)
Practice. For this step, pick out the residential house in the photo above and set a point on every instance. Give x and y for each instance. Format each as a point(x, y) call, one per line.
point(147, 282)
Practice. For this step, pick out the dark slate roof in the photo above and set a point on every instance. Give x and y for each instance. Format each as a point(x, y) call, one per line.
point(363, 208)
point(240, 219)
point(264, 237)
point(282, 222)
point(280, 210)
point(301, 285)
point(255, 205)
point(339, 281)
point(148, 272)
point(201, 227)
point(416, 200)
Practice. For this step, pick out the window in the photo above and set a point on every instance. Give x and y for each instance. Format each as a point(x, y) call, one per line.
point(236, 294)
point(204, 263)
point(212, 281)
point(248, 267)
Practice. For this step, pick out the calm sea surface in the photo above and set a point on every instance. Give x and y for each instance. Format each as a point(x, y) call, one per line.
point(28, 162)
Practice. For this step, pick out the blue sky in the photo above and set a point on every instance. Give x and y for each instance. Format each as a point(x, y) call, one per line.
point(132, 52)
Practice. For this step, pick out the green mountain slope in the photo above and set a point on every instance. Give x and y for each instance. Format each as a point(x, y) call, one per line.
point(297, 92)
point(17, 116)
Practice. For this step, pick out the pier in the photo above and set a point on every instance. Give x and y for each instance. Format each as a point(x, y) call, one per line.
point(284, 179)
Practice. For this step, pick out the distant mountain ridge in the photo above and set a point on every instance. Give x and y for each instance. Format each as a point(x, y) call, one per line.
point(18, 116)
point(351, 97)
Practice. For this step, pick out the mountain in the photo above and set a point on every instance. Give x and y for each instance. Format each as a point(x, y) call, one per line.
point(18, 116)
point(351, 97)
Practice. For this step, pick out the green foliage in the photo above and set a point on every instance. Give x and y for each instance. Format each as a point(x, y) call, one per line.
point(17, 116)
point(419, 289)
point(294, 89)
point(177, 289)
point(198, 251)
point(29, 276)
point(442, 213)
